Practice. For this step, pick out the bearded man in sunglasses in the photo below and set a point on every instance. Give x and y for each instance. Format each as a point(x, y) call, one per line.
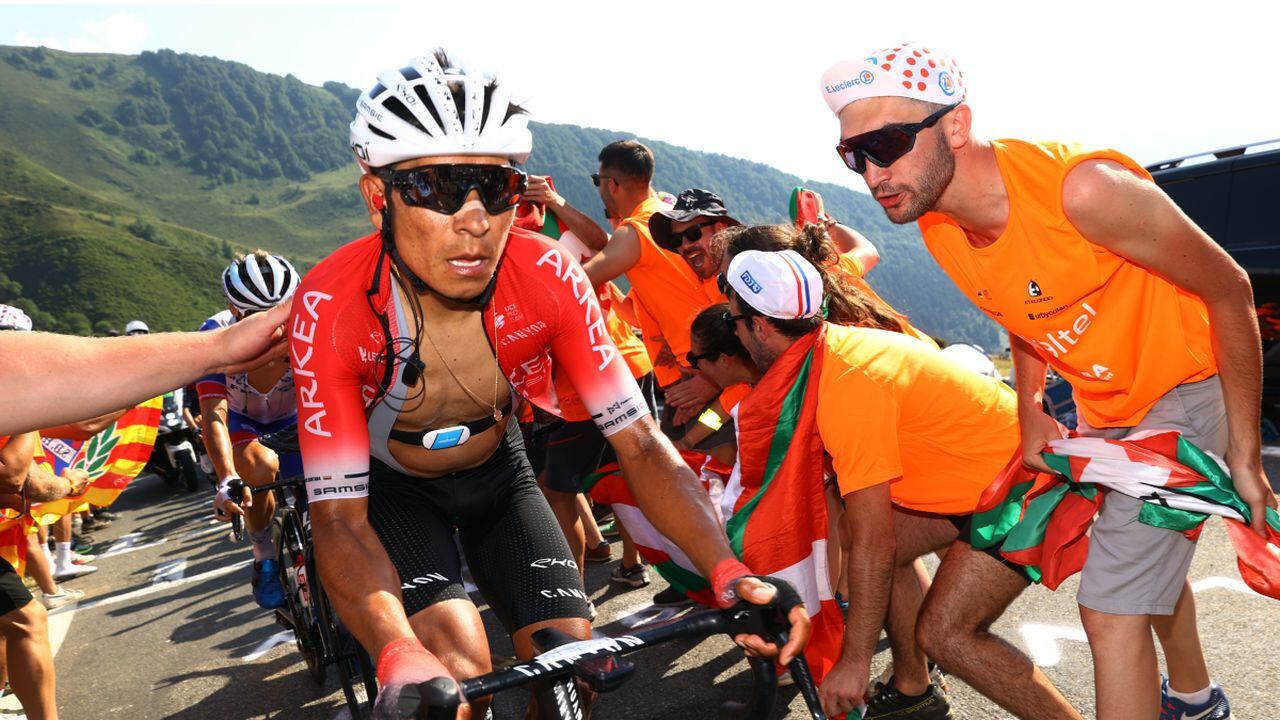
point(1094, 270)
point(412, 348)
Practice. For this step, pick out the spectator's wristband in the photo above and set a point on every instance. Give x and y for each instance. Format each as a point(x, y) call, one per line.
point(407, 661)
point(724, 579)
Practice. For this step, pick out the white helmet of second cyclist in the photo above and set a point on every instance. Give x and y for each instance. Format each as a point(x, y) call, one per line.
point(434, 106)
point(136, 327)
point(258, 282)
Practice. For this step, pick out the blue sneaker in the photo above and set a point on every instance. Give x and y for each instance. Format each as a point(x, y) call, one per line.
point(266, 585)
point(1215, 708)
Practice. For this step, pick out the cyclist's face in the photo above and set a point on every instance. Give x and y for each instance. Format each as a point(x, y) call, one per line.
point(455, 254)
point(912, 184)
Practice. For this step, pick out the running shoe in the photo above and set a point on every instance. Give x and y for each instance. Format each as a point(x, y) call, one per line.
point(70, 573)
point(635, 576)
point(266, 585)
point(60, 598)
point(106, 515)
point(671, 597)
point(592, 614)
point(94, 523)
point(891, 704)
point(935, 676)
point(1215, 708)
point(601, 553)
point(82, 544)
point(82, 558)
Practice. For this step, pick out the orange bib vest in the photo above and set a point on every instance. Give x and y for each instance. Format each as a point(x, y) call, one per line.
point(1120, 334)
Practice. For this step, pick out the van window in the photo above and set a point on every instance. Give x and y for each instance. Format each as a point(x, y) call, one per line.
point(1252, 219)
point(1204, 198)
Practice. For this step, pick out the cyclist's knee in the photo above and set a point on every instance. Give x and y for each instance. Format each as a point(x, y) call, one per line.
point(256, 463)
point(453, 631)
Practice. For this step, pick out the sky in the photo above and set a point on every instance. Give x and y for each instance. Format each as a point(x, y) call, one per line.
point(741, 78)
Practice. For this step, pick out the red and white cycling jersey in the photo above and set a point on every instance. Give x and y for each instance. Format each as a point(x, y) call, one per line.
point(543, 309)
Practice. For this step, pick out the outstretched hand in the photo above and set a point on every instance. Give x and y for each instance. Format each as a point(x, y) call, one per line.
point(255, 340)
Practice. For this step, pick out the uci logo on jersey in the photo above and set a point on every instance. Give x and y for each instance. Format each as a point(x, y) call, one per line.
point(750, 282)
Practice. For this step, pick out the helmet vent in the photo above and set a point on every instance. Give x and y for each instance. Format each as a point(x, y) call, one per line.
point(399, 110)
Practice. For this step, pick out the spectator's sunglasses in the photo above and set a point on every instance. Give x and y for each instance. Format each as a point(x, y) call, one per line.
point(731, 320)
point(444, 188)
point(690, 234)
point(691, 358)
point(887, 145)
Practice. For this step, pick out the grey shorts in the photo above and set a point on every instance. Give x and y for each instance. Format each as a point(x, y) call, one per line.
point(1137, 569)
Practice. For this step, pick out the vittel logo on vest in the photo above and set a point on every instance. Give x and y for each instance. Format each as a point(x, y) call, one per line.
point(1060, 343)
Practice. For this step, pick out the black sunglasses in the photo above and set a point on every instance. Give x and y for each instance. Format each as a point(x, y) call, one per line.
point(444, 188)
point(596, 178)
point(886, 145)
point(691, 358)
point(731, 320)
point(690, 234)
point(722, 283)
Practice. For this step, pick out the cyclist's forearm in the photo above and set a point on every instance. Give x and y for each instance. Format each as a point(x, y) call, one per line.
point(217, 442)
point(361, 583)
point(671, 497)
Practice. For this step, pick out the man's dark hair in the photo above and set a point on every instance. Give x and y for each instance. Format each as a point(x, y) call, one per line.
point(715, 336)
point(628, 158)
point(792, 328)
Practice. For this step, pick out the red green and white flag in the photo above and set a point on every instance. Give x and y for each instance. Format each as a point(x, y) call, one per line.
point(778, 524)
point(607, 486)
point(1042, 520)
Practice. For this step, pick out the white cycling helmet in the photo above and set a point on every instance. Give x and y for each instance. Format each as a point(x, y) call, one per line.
point(435, 106)
point(258, 282)
point(12, 318)
point(136, 327)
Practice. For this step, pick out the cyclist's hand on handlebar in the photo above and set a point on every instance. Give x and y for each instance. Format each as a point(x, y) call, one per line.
point(402, 665)
point(763, 591)
point(224, 506)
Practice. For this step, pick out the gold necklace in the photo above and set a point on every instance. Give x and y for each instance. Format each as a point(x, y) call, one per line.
point(497, 414)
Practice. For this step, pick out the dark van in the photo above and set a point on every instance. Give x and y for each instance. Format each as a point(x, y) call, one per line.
point(1234, 195)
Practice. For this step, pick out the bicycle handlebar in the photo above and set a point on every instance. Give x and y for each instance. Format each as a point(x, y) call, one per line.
point(440, 697)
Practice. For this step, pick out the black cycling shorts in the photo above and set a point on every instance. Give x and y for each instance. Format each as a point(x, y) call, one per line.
point(517, 553)
point(13, 594)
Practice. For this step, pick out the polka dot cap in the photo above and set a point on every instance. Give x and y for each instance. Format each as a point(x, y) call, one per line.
point(907, 70)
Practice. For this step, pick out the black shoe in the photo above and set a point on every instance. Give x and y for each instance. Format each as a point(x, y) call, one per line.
point(671, 597)
point(106, 515)
point(94, 523)
point(890, 704)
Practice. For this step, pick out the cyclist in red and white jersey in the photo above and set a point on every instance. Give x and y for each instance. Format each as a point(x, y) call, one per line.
point(412, 349)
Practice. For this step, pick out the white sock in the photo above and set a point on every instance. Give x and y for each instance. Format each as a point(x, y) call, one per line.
point(263, 547)
point(1196, 698)
point(48, 554)
point(64, 555)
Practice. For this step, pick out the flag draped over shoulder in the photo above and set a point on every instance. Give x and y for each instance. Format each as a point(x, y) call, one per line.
point(608, 487)
point(779, 522)
point(1042, 520)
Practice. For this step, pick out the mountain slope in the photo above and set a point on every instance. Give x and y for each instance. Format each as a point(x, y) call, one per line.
point(127, 181)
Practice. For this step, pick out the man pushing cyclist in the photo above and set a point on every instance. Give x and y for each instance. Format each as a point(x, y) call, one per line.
point(412, 348)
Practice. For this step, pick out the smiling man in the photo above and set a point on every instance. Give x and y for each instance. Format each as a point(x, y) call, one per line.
point(412, 348)
point(1094, 270)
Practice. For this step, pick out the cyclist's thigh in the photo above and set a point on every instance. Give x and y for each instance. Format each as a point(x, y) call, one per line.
point(417, 538)
point(516, 550)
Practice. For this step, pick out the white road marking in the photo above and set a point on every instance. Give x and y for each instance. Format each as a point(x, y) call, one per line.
point(1042, 641)
point(1225, 583)
point(212, 527)
point(265, 646)
point(152, 589)
point(130, 543)
point(168, 573)
point(1271, 450)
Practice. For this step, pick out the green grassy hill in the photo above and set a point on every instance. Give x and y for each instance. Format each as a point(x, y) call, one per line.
point(127, 181)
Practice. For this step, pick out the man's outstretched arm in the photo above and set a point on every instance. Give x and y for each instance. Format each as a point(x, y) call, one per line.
point(45, 375)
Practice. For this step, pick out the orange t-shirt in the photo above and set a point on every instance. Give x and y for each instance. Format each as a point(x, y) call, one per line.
point(672, 295)
point(732, 395)
point(1120, 334)
point(851, 268)
point(892, 409)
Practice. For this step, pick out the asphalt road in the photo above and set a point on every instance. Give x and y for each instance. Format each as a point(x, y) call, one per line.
point(168, 630)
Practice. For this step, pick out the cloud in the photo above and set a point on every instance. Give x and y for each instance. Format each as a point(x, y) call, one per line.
point(118, 33)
